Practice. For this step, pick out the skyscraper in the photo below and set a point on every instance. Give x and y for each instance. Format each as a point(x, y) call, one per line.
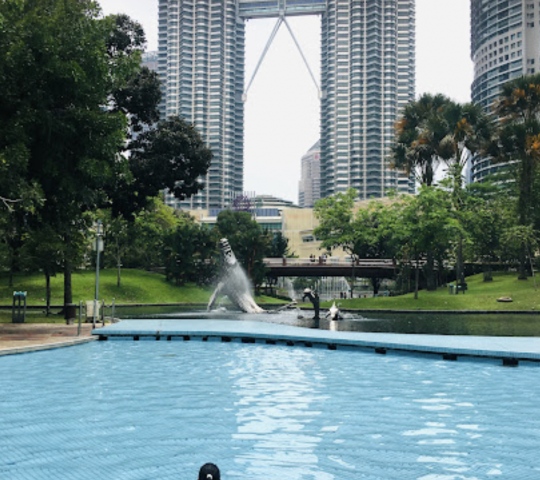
point(505, 44)
point(367, 75)
point(309, 190)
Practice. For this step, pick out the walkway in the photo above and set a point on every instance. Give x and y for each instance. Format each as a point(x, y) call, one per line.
point(510, 350)
point(28, 337)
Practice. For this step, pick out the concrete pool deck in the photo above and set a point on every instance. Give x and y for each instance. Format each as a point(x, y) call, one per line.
point(510, 350)
point(29, 337)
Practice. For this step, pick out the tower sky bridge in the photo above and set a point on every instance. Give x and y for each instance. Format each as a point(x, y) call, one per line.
point(367, 76)
point(273, 8)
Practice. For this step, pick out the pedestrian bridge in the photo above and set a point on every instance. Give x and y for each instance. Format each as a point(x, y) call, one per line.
point(330, 267)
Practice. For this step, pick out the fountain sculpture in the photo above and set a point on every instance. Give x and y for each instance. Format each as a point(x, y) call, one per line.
point(234, 283)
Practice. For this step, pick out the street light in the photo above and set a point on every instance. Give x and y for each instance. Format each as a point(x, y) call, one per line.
point(98, 246)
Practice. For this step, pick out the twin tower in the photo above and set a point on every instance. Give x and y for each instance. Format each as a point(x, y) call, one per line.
point(367, 76)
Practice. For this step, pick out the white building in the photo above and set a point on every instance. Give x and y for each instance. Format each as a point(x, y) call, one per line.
point(505, 44)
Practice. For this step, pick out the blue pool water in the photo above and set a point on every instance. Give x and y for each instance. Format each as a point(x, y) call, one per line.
point(158, 410)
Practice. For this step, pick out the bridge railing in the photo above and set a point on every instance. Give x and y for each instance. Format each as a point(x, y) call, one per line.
point(328, 261)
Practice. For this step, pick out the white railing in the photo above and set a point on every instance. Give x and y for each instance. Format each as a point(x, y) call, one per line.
point(330, 261)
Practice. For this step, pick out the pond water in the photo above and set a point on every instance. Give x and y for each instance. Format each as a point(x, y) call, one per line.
point(159, 410)
point(418, 322)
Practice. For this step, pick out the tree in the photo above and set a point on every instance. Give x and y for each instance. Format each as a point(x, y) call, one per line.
point(517, 143)
point(43, 250)
point(485, 217)
point(335, 215)
point(469, 130)
point(366, 234)
point(420, 137)
point(424, 224)
point(147, 232)
point(172, 155)
point(279, 245)
point(73, 90)
point(190, 253)
point(57, 79)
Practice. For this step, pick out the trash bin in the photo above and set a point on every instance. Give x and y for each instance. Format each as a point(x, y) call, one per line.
point(70, 312)
point(18, 310)
point(90, 311)
point(451, 288)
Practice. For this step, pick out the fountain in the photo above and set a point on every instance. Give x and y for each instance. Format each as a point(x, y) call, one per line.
point(234, 283)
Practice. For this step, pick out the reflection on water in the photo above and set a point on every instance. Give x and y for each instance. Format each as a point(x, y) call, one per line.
point(425, 323)
point(445, 324)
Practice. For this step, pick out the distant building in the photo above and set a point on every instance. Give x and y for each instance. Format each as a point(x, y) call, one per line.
point(267, 201)
point(309, 190)
point(150, 60)
point(367, 76)
point(505, 44)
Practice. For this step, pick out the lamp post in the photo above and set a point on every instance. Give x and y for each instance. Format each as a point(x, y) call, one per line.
point(99, 249)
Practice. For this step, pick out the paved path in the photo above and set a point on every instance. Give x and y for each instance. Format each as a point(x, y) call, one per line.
point(23, 337)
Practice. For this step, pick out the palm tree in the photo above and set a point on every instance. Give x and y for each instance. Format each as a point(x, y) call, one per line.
point(469, 130)
point(420, 133)
point(518, 145)
point(436, 129)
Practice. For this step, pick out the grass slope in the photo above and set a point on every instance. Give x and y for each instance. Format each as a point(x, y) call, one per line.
point(479, 296)
point(137, 286)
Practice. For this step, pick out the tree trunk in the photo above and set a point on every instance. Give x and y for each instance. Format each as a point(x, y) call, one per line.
point(430, 273)
point(47, 292)
point(488, 273)
point(68, 293)
point(522, 273)
point(416, 278)
point(118, 266)
point(11, 266)
point(460, 275)
point(376, 285)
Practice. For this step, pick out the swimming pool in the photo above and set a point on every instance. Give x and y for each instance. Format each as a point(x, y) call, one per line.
point(158, 410)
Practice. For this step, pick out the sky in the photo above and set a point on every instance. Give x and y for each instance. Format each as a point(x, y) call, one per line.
point(282, 108)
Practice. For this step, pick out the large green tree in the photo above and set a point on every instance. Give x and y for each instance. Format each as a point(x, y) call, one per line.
point(190, 252)
point(73, 94)
point(365, 234)
point(424, 223)
point(434, 130)
point(54, 127)
point(517, 143)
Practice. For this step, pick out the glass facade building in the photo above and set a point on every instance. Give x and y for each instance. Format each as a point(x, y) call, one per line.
point(505, 44)
point(368, 74)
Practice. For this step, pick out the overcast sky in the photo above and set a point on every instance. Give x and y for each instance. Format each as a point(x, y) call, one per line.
point(282, 108)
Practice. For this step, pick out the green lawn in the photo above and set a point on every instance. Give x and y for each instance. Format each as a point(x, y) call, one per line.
point(479, 296)
point(144, 287)
point(136, 287)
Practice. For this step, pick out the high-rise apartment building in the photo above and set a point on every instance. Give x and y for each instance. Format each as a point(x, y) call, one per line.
point(368, 73)
point(505, 44)
point(309, 190)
